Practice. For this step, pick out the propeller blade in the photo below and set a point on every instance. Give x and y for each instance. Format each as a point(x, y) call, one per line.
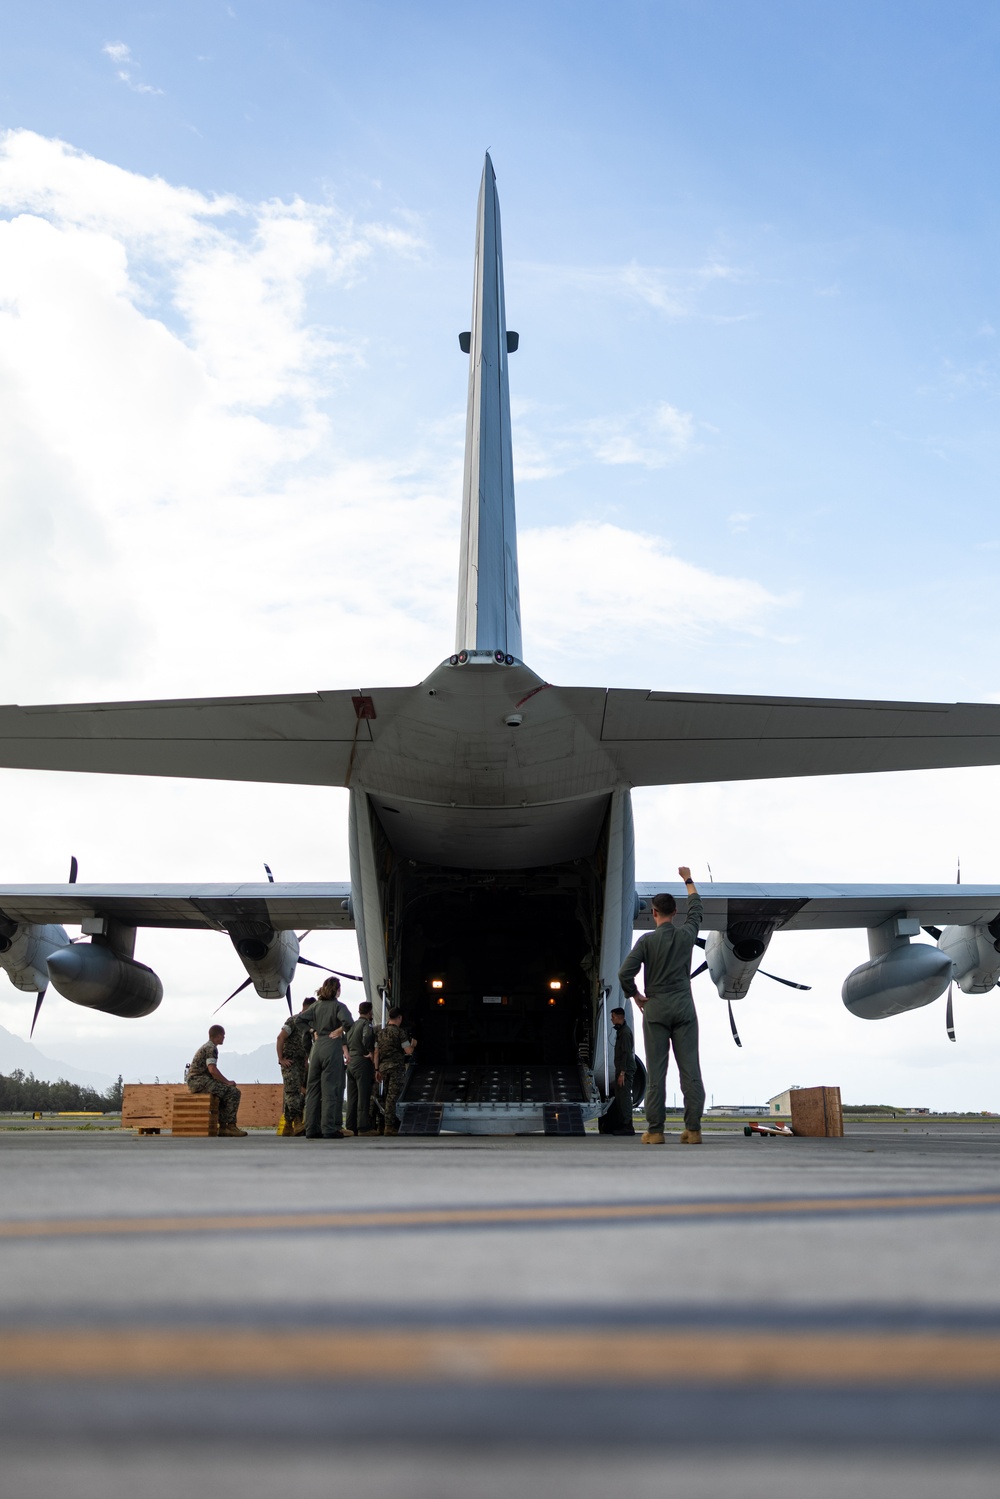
point(288, 998)
point(38, 1011)
point(699, 942)
point(245, 985)
point(301, 936)
point(732, 1024)
point(74, 869)
point(696, 971)
point(932, 931)
point(355, 977)
point(949, 1017)
point(270, 876)
point(790, 982)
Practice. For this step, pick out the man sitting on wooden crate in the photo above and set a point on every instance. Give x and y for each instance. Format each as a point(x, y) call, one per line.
point(204, 1077)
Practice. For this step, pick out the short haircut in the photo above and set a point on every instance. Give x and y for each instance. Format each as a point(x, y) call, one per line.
point(395, 1013)
point(665, 904)
point(310, 1001)
point(216, 1030)
point(365, 1007)
point(618, 1010)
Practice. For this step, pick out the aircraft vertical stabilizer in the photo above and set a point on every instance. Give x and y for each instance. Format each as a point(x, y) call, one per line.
point(489, 606)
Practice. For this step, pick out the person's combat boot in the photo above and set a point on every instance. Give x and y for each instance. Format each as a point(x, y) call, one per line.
point(231, 1131)
point(653, 1137)
point(298, 1126)
point(691, 1137)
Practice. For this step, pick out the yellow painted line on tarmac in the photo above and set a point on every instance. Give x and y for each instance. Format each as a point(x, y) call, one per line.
point(485, 1355)
point(489, 1217)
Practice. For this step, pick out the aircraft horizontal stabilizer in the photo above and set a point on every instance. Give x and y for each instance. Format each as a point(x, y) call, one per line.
point(672, 738)
point(308, 738)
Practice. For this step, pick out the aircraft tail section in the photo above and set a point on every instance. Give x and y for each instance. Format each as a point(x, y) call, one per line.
point(489, 606)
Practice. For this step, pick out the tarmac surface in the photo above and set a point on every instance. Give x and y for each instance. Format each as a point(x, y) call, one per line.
point(483, 1316)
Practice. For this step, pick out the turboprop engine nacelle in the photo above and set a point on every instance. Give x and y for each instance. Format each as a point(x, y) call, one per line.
point(734, 956)
point(94, 975)
point(269, 958)
point(25, 950)
point(897, 977)
point(975, 955)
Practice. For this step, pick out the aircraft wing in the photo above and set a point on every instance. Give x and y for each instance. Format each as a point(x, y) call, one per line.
point(317, 907)
point(798, 908)
point(669, 738)
point(307, 738)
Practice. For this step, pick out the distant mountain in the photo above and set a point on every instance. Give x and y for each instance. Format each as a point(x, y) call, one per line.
point(15, 1053)
point(260, 1066)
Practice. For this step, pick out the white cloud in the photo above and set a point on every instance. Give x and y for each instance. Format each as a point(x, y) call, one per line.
point(674, 292)
point(591, 589)
point(651, 438)
point(121, 54)
point(162, 375)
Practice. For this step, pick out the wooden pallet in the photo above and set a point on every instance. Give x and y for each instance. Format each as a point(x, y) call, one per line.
point(194, 1114)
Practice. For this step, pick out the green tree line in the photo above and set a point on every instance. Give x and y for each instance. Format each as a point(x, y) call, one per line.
point(22, 1092)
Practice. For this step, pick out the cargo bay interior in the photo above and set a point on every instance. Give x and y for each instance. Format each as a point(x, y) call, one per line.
point(496, 972)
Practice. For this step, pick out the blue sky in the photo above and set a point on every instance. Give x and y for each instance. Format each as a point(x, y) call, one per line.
point(751, 249)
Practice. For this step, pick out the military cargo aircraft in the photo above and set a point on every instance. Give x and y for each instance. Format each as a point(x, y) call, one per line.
point(492, 884)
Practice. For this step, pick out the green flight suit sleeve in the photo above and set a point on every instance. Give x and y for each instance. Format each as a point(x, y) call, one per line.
point(693, 919)
point(631, 966)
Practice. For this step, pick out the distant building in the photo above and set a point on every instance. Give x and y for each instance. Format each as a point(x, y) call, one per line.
point(781, 1103)
point(751, 1110)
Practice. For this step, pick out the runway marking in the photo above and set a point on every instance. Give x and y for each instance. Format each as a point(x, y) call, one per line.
point(549, 1215)
point(487, 1355)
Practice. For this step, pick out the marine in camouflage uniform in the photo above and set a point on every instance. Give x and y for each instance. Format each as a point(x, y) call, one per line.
point(330, 1019)
point(200, 1080)
point(294, 1044)
point(392, 1056)
point(360, 1041)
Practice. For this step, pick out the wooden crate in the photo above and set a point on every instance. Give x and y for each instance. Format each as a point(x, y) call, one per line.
point(817, 1112)
point(146, 1107)
point(194, 1114)
point(260, 1105)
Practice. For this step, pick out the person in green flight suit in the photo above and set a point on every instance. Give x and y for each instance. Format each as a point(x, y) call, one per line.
point(325, 1079)
point(624, 1071)
point(669, 1017)
point(360, 1042)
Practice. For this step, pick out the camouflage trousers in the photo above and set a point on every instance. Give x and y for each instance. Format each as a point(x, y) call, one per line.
point(394, 1080)
point(293, 1077)
point(227, 1093)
